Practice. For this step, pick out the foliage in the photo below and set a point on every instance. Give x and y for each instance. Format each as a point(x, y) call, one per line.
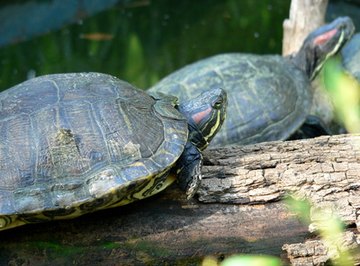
point(244, 260)
point(344, 91)
point(329, 227)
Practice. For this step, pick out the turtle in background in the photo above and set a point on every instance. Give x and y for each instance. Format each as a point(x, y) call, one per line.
point(270, 96)
point(76, 143)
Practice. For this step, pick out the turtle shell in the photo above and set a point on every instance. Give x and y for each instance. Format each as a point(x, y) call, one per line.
point(351, 56)
point(268, 96)
point(75, 143)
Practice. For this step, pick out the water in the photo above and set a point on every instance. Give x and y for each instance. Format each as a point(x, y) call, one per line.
point(141, 41)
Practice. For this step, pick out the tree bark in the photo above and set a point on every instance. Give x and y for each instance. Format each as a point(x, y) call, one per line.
point(324, 170)
point(238, 210)
point(305, 16)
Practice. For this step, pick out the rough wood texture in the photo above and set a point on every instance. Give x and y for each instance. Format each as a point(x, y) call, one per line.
point(304, 17)
point(326, 170)
point(239, 211)
point(314, 252)
point(165, 229)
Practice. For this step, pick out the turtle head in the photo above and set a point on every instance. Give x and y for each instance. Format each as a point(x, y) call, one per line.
point(323, 43)
point(205, 114)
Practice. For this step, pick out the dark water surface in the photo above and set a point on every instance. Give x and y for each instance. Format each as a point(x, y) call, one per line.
point(139, 41)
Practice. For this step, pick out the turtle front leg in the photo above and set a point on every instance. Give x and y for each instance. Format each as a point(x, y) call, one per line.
point(189, 169)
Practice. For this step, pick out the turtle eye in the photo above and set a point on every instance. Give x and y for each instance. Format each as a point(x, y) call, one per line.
point(218, 103)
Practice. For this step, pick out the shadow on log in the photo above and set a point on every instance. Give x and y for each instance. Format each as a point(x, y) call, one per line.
point(238, 210)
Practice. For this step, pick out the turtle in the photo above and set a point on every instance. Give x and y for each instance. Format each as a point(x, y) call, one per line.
point(351, 56)
point(269, 95)
point(76, 143)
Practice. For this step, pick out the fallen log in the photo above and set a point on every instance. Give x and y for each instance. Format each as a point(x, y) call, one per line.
point(238, 209)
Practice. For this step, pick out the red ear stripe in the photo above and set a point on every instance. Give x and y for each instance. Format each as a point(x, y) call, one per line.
point(199, 116)
point(325, 37)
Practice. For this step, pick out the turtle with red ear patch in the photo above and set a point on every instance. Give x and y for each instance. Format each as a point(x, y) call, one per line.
point(269, 96)
point(77, 143)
